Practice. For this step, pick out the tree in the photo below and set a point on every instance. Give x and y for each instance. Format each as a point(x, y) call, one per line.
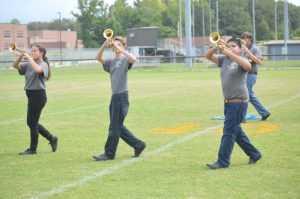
point(15, 21)
point(121, 17)
point(150, 13)
point(234, 19)
point(92, 17)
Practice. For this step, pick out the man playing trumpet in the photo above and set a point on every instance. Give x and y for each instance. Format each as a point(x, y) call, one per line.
point(253, 53)
point(119, 104)
point(233, 70)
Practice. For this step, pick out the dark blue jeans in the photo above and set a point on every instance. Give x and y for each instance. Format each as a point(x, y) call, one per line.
point(118, 110)
point(233, 132)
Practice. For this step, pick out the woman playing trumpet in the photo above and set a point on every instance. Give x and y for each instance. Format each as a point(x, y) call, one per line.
point(36, 70)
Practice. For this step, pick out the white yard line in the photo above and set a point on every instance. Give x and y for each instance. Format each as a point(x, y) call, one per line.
point(2, 123)
point(123, 164)
point(126, 163)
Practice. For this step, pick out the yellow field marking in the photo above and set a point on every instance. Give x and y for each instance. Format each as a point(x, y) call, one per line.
point(177, 129)
point(256, 129)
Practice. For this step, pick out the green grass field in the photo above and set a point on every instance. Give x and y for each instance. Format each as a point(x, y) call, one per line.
point(171, 110)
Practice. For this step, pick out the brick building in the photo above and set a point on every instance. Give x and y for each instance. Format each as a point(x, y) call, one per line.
point(22, 37)
point(51, 38)
point(13, 33)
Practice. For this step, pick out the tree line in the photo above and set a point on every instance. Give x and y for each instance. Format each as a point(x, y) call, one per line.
point(92, 17)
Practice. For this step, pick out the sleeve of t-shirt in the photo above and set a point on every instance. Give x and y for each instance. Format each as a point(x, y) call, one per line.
point(126, 63)
point(22, 69)
point(244, 58)
point(106, 65)
point(256, 52)
point(220, 59)
point(45, 69)
point(129, 64)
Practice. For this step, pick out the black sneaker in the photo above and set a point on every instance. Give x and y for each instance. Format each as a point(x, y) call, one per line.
point(102, 157)
point(54, 143)
point(254, 160)
point(215, 165)
point(27, 152)
point(264, 118)
point(137, 152)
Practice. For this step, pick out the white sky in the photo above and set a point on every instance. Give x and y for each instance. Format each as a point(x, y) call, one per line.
point(47, 10)
point(39, 10)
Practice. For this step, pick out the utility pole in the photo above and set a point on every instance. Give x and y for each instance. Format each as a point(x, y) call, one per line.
point(60, 47)
point(180, 26)
point(276, 37)
point(203, 27)
point(253, 19)
point(286, 28)
point(209, 16)
point(188, 33)
point(217, 15)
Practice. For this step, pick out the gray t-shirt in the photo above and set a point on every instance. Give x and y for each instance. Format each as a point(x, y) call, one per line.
point(255, 51)
point(33, 80)
point(233, 79)
point(118, 68)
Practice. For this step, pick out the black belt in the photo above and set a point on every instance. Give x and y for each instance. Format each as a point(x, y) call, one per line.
point(255, 73)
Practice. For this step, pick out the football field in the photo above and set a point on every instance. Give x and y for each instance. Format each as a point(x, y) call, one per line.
point(171, 111)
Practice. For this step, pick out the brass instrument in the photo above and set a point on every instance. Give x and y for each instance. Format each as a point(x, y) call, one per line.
point(243, 47)
point(108, 34)
point(215, 38)
point(18, 51)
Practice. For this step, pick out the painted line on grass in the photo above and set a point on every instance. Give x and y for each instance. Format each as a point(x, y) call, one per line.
point(146, 155)
point(123, 164)
point(22, 95)
point(126, 163)
point(96, 105)
point(284, 101)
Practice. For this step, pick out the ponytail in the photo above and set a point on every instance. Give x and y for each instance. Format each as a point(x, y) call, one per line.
point(49, 70)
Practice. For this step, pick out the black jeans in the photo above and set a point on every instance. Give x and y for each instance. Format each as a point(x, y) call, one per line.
point(118, 110)
point(37, 99)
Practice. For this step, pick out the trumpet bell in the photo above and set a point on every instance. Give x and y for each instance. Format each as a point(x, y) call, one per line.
point(12, 47)
point(18, 51)
point(214, 37)
point(108, 33)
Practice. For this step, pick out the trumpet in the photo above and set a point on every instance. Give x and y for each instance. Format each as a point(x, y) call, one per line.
point(108, 34)
point(18, 51)
point(244, 46)
point(215, 38)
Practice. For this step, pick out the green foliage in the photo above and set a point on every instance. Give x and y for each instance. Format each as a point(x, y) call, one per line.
point(234, 19)
point(235, 16)
point(92, 15)
point(15, 21)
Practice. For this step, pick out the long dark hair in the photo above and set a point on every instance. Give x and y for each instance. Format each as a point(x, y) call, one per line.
point(45, 59)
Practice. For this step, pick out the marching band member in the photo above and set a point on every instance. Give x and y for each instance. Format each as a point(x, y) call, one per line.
point(253, 53)
point(233, 69)
point(36, 70)
point(119, 104)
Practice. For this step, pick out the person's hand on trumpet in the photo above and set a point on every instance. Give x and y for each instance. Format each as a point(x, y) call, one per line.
point(25, 55)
